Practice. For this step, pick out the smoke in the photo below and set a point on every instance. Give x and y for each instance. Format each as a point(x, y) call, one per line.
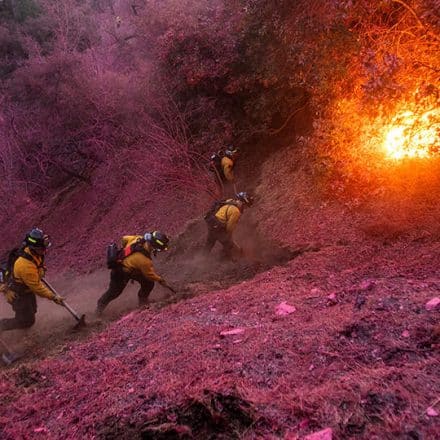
point(185, 267)
point(54, 325)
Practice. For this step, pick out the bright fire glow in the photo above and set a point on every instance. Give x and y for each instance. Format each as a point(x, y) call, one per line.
point(412, 135)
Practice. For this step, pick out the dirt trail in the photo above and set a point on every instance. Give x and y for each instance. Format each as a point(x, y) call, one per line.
point(193, 272)
point(185, 268)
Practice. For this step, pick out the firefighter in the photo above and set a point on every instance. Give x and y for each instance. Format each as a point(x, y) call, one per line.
point(222, 220)
point(223, 165)
point(228, 162)
point(27, 271)
point(135, 264)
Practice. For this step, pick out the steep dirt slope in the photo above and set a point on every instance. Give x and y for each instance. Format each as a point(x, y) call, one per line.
point(359, 354)
point(363, 361)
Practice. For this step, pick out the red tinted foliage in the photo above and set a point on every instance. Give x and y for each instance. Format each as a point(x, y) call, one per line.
point(342, 365)
point(151, 88)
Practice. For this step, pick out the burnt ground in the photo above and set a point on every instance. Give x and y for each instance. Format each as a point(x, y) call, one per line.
point(192, 272)
point(360, 354)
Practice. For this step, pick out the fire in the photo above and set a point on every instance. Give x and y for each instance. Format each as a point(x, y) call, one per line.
point(412, 135)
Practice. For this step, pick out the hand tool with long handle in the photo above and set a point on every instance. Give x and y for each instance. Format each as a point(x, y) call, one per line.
point(170, 289)
point(220, 181)
point(167, 286)
point(80, 319)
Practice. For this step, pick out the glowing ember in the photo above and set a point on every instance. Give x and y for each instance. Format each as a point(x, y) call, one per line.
point(412, 135)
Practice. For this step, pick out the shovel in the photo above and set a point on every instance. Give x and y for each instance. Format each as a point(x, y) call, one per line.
point(80, 319)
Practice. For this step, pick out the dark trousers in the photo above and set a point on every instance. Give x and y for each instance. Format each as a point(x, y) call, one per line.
point(118, 282)
point(219, 233)
point(25, 308)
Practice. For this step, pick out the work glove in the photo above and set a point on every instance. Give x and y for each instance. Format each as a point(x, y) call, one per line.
point(58, 300)
point(10, 295)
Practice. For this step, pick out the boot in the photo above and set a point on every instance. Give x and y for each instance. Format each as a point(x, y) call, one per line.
point(8, 357)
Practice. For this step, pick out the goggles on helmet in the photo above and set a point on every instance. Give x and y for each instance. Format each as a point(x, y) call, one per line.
point(245, 198)
point(158, 240)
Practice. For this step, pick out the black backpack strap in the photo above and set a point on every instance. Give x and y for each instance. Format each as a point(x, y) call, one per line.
point(14, 285)
point(138, 246)
point(29, 257)
point(145, 252)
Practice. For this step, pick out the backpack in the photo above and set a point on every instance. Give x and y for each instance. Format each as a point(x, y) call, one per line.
point(7, 268)
point(215, 164)
point(115, 256)
point(3, 274)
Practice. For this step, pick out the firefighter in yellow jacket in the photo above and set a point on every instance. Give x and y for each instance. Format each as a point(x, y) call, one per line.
point(227, 164)
point(222, 220)
point(28, 269)
point(135, 263)
point(224, 170)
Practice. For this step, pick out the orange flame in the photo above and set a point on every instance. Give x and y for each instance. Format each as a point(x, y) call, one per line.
point(412, 135)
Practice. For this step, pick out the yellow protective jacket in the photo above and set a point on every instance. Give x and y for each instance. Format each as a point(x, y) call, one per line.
point(229, 215)
point(137, 261)
point(29, 274)
point(227, 165)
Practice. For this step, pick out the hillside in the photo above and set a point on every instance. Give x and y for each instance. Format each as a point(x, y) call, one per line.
point(323, 329)
point(359, 354)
